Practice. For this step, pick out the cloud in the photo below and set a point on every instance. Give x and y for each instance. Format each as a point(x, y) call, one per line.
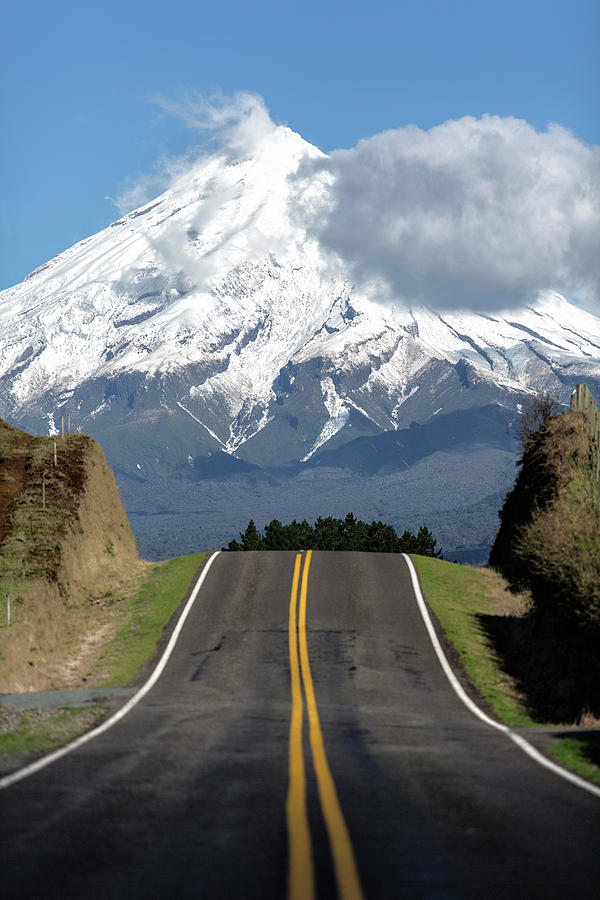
point(193, 251)
point(475, 213)
point(232, 125)
point(139, 191)
point(240, 122)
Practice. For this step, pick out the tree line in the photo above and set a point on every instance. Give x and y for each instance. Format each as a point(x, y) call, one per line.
point(549, 536)
point(329, 533)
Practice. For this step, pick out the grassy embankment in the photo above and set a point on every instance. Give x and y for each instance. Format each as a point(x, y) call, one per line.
point(67, 555)
point(143, 620)
point(33, 730)
point(493, 633)
point(84, 610)
point(138, 618)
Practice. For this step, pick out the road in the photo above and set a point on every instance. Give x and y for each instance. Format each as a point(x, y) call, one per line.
point(336, 736)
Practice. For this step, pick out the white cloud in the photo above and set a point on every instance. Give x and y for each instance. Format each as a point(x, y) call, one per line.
point(475, 213)
point(148, 186)
point(234, 125)
point(240, 122)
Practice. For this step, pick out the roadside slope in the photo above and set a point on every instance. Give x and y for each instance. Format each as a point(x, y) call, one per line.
point(66, 551)
point(515, 668)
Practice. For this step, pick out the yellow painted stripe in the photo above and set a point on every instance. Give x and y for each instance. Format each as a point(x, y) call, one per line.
point(301, 880)
point(346, 871)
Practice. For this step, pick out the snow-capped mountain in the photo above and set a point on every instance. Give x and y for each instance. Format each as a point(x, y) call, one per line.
point(209, 320)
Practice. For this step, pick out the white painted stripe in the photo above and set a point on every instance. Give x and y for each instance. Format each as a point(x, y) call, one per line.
point(39, 764)
point(520, 741)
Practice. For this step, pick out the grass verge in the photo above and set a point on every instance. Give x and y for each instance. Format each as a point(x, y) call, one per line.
point(145, 615)
point(37, 730)
point(460, 597)
point(463, 599)
point(580, 755)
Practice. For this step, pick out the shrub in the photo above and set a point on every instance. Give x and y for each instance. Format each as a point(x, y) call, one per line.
point(549, 538)
point(535, 412)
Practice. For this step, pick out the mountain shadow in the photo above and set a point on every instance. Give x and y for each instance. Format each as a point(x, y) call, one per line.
point(394, 451)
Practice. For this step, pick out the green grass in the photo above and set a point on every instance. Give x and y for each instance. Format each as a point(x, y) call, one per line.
point(458, 595)
point(580, 756)
point(146, 614)
point(36, 731)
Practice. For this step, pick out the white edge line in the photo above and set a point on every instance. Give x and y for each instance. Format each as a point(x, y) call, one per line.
point(39, 764)
point(520, 741)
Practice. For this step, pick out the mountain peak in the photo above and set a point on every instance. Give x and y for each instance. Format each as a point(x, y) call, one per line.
point(214, 295)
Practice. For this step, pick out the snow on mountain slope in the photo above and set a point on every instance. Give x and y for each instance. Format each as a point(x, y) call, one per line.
point(158, 288)
point(210, 306)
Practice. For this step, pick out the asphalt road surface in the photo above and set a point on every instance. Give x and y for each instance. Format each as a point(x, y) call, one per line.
point(302, 741)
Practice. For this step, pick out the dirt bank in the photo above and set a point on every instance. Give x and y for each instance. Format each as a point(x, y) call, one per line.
point(67, 554)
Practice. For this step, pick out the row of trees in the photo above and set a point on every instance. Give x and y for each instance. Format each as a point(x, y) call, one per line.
point(336, 534)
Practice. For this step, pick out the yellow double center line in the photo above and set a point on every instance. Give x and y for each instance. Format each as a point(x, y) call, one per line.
point(301, 877)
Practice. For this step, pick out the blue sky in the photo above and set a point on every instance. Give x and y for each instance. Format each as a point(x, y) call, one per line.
point(77, 84)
